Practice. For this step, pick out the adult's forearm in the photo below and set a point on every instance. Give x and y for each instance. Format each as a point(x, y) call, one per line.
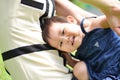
point(65, 8)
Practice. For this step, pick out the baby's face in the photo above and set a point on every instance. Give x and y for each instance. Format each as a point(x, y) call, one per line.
point(65, 36)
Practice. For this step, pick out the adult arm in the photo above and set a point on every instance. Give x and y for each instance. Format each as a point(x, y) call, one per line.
point(65, 8)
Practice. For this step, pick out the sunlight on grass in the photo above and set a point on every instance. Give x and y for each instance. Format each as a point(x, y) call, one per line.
point(3, 73)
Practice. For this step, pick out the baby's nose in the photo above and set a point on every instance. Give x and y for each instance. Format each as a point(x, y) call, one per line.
point(66, 38)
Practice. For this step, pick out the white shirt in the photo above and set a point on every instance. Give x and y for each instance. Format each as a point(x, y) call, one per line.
point(19, 29)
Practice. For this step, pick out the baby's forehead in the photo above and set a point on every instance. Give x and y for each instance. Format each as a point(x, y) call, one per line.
point(56, 25)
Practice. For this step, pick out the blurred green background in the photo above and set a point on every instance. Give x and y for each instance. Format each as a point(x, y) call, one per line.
point(87, 7)
point(3, 73)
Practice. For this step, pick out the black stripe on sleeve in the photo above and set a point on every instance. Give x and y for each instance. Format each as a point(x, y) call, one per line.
point(25, 50)
point(32, 3)
point(44, 15)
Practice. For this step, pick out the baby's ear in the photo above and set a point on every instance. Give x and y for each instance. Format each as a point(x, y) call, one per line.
point(71, 19)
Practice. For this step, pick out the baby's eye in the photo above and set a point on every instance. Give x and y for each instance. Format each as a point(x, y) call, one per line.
point(61, 43)
point(63, 32)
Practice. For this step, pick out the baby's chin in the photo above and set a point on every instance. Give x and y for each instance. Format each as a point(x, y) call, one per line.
point(77, 46)
point(77, 42)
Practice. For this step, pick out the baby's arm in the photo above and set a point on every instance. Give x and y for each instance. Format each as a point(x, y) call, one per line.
point(111, 9)
point(80, 71)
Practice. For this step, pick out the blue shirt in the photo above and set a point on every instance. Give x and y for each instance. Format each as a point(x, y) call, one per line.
point(100, 50)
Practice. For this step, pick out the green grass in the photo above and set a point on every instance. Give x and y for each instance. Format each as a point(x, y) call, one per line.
point(3, 73)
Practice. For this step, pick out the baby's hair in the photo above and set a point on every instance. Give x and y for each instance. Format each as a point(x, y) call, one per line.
point(47, 23)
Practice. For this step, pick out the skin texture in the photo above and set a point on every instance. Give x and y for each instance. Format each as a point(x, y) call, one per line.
point(67, 37)
point(68, 8)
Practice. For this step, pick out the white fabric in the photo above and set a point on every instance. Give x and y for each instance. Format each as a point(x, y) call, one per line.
point(19, 26)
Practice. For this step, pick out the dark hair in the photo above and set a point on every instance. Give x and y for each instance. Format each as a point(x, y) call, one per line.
point(47, 23)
